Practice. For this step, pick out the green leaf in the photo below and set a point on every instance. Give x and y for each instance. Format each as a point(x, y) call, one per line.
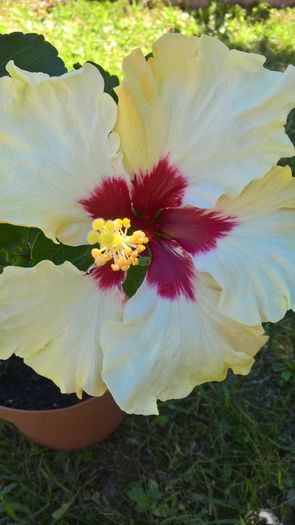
point(135, 277)
point(144, 261)
point(286, 375)
point(290, 130)
point(153, 489)
point(10, 234)
point(162, 420)
point(148, 56)
point(110, 81)
point(144, 496)
point(44, 248)
point(15, 245)
point(137, 494)
point(30, 52)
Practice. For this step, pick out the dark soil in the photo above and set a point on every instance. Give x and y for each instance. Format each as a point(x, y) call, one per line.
point(21, 387)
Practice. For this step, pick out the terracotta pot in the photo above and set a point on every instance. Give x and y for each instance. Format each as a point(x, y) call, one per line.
point(68, 428)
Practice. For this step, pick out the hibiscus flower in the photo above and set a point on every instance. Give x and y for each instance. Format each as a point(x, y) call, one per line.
point(181, 174)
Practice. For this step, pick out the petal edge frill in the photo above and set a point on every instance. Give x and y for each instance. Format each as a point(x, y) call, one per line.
point(51, 316)
point(163, 348)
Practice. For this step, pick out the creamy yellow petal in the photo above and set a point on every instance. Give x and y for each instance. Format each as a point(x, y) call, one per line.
point(51, 316)
point(163, 348)
point(55, 146)
point(255, 263)
point(218, 114)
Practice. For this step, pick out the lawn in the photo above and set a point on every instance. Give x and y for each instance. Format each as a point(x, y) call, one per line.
point(227, 451)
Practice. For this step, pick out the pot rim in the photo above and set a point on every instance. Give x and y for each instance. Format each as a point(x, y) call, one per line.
point(3, 408)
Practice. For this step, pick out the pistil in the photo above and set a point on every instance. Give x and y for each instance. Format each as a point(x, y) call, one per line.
point(115, 244)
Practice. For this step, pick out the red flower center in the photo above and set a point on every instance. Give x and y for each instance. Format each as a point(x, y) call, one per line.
point(176, 232)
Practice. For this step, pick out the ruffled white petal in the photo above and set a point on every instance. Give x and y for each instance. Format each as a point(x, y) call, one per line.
point(55, 147)
point(52, 316)
point(255, 263)
point(218, 114)
point(164, 348)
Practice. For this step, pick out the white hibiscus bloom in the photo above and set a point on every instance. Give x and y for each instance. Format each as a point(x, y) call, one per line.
point(187, 159)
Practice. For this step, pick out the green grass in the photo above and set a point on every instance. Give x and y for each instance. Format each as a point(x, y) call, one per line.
point(227, 449)
point(102, 31)
point(107, 31)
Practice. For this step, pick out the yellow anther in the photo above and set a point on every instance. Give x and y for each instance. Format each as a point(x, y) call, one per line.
point(101, 260)
point(138, 237)
point(118, 223)
point(98, 224)
point(95, 253)
point(126, 223)
point(93, 237)
point(109, 225)
point(122, 261)
point(115, 245)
